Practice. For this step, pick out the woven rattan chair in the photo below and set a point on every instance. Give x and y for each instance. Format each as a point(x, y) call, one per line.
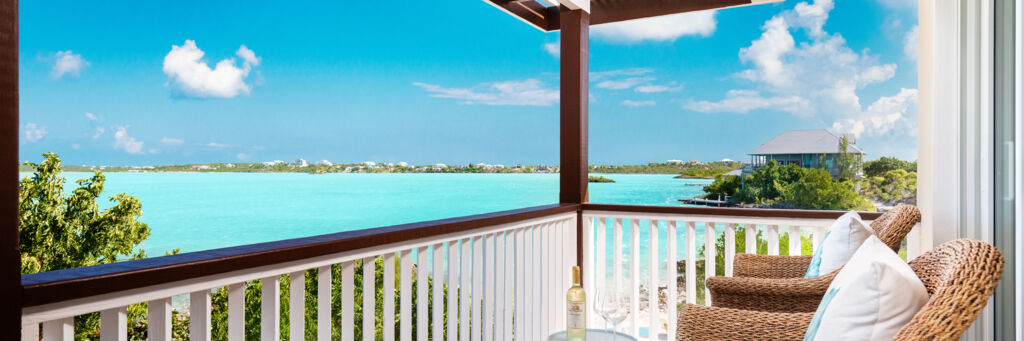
point(959, 276)
point(777, 283)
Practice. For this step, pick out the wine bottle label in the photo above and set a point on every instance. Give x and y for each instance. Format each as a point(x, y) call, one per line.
point(576, 317)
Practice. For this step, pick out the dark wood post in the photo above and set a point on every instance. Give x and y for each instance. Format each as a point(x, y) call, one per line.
point(575, 94)
point(10, 257)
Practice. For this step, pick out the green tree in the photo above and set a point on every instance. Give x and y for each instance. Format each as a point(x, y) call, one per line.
point(61, 230)
point(885, 164)
point(849, 163)
point(817, 190)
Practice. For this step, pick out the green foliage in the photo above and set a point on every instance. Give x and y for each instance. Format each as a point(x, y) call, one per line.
point(895, 186)
point(817, 190)
point(724, 186)
point(849, 163)
point(686, 170)
point(599, 179)
point(886, 164)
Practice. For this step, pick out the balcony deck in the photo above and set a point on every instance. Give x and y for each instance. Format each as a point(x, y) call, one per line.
point(504, 271)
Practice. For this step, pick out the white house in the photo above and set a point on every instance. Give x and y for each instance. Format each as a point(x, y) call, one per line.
point(326, 163)
point(301, 163)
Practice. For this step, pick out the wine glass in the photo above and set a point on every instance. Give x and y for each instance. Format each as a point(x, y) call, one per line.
point(613, 307)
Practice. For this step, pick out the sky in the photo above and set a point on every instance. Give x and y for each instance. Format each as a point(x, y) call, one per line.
point(149, 83)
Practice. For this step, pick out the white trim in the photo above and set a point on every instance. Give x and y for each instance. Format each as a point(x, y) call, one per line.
point(576, 4)
point(1018, 103)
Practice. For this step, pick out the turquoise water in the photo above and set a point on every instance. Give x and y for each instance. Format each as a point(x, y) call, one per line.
point(200, 211)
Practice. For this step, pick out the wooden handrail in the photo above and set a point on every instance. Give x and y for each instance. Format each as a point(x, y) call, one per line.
point(726, 211)
point(62, 285)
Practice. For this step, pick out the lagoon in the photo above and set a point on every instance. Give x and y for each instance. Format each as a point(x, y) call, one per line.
point(201, 211)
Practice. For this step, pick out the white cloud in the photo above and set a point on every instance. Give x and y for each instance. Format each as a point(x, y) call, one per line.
point(553, 49)
point(75, 146)
point(637, 71)
point(170, 141)
point(68, 63)
point(33, 132)
point(910, 44)
point(126, 143)
point(745, 101)
point(651, 88)
point(190, 76)
point(91, 116)
point(632, 103)
point(624, 83)
point(818, 78)
point(886, 114)
point(899, 3)
point(218, 145)
point(99, 132)
point(663, 28)
point(519, 92)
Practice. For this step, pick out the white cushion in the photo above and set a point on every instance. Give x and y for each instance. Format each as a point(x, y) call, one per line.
point(871, 298)
point(842, 240)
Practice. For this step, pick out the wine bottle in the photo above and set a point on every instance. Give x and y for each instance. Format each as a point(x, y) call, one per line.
point(576, 308)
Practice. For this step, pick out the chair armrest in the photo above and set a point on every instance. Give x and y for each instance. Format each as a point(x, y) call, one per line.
point(712, 323)
point(793, 295)
point(765, 266)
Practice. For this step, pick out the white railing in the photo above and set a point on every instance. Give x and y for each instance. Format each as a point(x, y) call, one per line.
point(510, 279)
point(613, 243)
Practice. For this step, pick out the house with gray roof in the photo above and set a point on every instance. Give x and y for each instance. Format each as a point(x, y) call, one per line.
point(814, 148)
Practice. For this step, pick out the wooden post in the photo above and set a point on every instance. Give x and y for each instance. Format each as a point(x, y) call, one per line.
point(575, 94)
point(10, 257)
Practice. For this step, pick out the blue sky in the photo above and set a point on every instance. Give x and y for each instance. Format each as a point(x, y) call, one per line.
point(139, 82)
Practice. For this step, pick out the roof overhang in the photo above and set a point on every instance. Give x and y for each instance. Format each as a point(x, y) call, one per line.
point(544, 14)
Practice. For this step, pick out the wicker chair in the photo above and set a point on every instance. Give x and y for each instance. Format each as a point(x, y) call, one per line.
point(777, 283)
point(959, 276)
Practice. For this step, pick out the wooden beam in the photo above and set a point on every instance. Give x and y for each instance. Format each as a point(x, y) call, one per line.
point(583, 5)
point(574, 96)
point(609, 11)
point(10, 257)
point(532, 12)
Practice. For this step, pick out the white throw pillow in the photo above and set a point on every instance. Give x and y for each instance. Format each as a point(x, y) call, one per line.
point(871, 298)
point(843, 238)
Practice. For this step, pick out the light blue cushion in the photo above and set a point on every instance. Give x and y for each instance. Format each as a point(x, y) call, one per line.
point(813, 270)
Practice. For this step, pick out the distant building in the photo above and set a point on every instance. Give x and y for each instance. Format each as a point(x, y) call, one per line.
point(325, 163)
point(403, 164)
point(273, 163)
point(301, 163)
point(817, 148)
point(728, 160)
point(230, 165)
point(201, 167)
point(370, 164)
point(440, 166)
point(694, 162)
point(674, 162)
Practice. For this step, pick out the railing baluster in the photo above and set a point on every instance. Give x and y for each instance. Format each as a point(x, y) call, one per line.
point(297, 306)
point(673, 279)
point(533, 282)
point(510, 283)
point(773, 240)
point(794, 240)
point(438, 282)
point(388, 324)
point(270, 309)
point(199, 315)
point(236, 313)
point(499, 284)
point(520, 269)
point(600, 267)
point(30, 332)
point(348, 305)
point(114, 324)
point(819, 234)
point(709, 256)
point(544, 264)
point(634, 276)
point(617, 257)
point(159, 314)
point(59, 330)
point(405, 296)
point(730, 247)
point(750, 231)
point(466, 275)
point(422, 315)
point(558, 246)
point(691, 262)
point(478, 284)
point(489, 285)
point(453, 294)
point(652, 289)
point(588, 264)
point(369, 298)
point(323, 303)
